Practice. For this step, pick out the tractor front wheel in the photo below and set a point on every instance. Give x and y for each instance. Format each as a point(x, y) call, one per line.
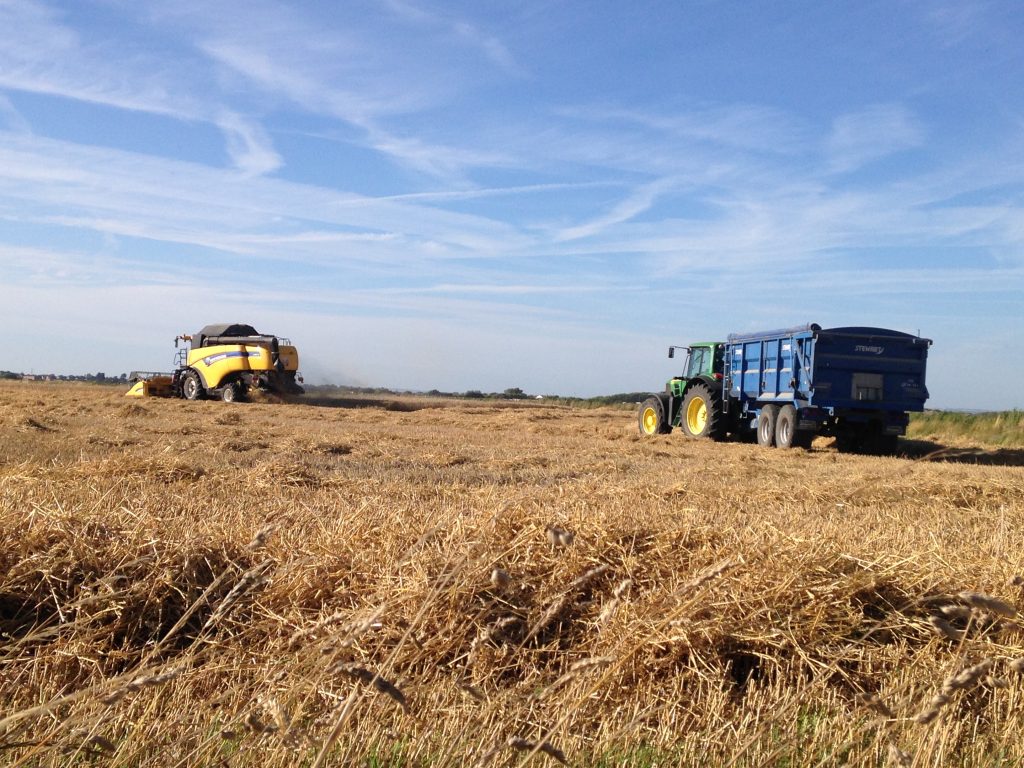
point(191, 387)
point(652, 417)
point(702, 412)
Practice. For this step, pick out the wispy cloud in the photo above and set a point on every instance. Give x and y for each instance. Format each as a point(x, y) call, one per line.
point(877, 131)
point(739, 126)
point(640, 200)
point(956, 21)
point(363, 101)
point(181, 202)
point(11, 118)
point(463, 31)
point(40, 54)
point(248, 144)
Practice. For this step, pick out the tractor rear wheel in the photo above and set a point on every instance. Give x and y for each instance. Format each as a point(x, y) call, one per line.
point(766, 425)
point(191, 387)
point(785, 427)
point(702, 412)
point(652, 417)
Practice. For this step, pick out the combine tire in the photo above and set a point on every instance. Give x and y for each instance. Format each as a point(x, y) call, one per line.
point(191, 387)
point(652, 417)
point(231, 393)
point(785, 427)
point(766, 425)
point(702, 412)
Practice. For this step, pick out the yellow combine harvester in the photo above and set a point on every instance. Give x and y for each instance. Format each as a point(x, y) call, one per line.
point(226, 361)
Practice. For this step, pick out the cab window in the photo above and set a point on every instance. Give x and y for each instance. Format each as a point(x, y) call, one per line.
point(698, 360)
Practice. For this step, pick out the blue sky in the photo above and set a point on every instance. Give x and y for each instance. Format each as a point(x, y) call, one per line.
point(481, 195)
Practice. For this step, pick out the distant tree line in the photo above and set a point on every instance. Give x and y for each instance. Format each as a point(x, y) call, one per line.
point(96, 378)
point(512, 393)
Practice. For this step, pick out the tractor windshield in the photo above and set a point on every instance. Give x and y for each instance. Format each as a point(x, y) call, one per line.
point(699, 362)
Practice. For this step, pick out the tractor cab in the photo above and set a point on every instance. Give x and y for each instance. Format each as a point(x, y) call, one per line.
point(704, 362)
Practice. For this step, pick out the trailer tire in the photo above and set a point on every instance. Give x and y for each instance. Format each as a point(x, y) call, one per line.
point(191, 386)
point(766, 425)
point(701, 413)
point(651, 417)
point(785, 427)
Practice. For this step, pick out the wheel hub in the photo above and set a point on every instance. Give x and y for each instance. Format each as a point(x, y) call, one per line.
point(650, 421)
point(697, 415)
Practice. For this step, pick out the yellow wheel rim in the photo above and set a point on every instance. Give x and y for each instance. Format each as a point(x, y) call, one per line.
point(650, 420)
point(697, 415)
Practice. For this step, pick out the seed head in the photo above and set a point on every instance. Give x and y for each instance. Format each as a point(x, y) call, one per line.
point(259, 541)
point(945, 629)
point(990, 604)
point(874, 701)
point(500, 578)
point(956, 611)
point(559, 537)
point(899, 757)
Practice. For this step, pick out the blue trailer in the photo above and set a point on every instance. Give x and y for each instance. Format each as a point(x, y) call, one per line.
point(783, 387)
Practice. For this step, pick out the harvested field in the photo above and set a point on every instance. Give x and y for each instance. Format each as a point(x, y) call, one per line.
point(442, 583)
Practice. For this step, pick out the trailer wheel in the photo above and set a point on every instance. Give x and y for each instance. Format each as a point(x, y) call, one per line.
point(766, 425)
point(702, 412)
point(785, 427)
point(191, 387)
point(652, 417)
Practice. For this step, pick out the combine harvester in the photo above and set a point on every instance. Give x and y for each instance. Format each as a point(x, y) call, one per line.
point(227, 361)
point(855, 384)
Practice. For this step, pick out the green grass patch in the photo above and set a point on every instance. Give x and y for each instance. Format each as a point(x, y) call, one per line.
point(1004, 429)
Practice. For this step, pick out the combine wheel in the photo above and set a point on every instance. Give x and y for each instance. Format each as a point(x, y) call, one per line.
point(766, 425)
point(191, 387)
point(652, 417)
point(231, 393)
point(785, 427)
point(702, 412)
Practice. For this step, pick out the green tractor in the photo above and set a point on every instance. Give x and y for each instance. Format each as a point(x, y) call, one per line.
point(692, 401)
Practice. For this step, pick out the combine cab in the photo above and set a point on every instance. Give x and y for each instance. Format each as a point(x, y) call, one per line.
point(226, 361)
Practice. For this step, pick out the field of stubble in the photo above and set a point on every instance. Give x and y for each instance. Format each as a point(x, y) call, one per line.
point(445, 583)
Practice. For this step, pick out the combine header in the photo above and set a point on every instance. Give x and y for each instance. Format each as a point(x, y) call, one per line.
point(226, 361)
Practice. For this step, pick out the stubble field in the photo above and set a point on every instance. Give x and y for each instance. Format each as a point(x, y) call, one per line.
point(441, 583)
